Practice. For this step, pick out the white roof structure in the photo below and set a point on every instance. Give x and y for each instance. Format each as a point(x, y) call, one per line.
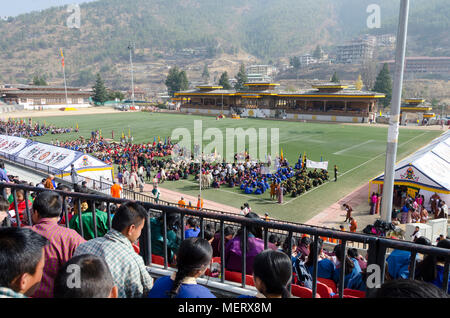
point(427, 169)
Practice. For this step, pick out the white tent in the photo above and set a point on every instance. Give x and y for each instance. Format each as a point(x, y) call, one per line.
point(55, 160)
point(427, 169)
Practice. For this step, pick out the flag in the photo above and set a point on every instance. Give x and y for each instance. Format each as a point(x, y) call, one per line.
point(77, 126)
point(380, 113)
point(123, 134)
point(165, 140)
point(129, 132)
point(62, 56)
point(282, 154)
point(321, 159)
point(159, 139)
point(100, 132)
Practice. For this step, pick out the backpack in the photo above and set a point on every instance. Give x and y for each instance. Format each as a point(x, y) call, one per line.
point(303, 276)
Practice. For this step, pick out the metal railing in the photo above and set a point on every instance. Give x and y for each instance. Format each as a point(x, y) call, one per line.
point(377, 247)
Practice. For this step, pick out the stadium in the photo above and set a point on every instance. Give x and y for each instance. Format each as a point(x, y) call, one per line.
point(245, 192)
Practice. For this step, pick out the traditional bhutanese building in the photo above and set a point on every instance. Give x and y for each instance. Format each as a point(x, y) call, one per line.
point(415, 106)
point(324, 102)
point(45, 97)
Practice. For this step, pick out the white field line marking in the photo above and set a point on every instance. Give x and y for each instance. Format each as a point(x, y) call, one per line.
point(352, 147)
point(376, 157)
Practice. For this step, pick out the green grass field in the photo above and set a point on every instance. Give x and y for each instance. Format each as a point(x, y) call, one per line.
point(358, 151)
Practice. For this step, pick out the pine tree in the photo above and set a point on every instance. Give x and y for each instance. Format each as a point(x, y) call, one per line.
point(318, 53)
point(383, 84)
point(295, 62)
point(335, 78)
point(176, 81)
point(224, 81)
point(205, 74)
point(100, 92)
point(241, 78)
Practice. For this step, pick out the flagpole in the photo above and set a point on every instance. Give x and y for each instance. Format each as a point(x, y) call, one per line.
point(130, 47)
point(64, 74)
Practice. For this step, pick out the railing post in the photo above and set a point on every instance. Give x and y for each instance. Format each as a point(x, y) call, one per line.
point(446, 276)
point(80, 217)
point(66, 214)
point(94, 219)
point(316, 262)
point(343, 256)
point(27, 209)
point(16, 208)
point(244, 255)
point(222, 251)
point(266, 237)
point(166, 259)
point(412, 265)
point(145, 240)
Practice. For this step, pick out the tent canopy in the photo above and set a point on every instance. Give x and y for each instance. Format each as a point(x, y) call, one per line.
point(55, 160)
point(427, 169)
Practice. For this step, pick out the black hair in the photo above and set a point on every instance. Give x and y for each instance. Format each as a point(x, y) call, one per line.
point(305, 240)
point(20, 252)
point(130, 213)
point(229, 230)
point(349, 265)
point(422, 240)
point(274, 269)
point(352, 252)
point(407, 288)
point(312, 253)
point(4, 204)
point(289, 242)
point(95, 278)
point(173, 221)
point(194, 254)
point(209, 231)
point(273, 238)
point(63, 187)
point(192, 222)
point(426, 269)
point(255, 230)
point(48, 204)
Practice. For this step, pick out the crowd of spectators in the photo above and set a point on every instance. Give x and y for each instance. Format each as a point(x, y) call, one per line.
point(36, 256)
point(24, 129)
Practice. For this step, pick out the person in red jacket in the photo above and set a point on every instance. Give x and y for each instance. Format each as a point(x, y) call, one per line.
point(21, 205)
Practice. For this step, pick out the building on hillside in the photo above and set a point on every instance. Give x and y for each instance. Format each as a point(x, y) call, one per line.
point(260, 73)
point(386, 39)
point(420, 65)
point(356, 51)
point(326, 102)
point(306, 60)
point(45, 97)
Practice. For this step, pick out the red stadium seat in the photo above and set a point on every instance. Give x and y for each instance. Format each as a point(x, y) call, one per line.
point(324, 291)
point(354, 293)
point(156, 259)
point(302, 292)
point(237, 277)
point(216, 260)
point(330, 283)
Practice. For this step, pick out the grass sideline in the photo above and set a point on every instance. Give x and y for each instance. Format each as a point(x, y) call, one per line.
point(358, 151)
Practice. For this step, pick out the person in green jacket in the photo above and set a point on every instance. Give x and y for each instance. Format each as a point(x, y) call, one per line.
point(173, 238)
point(87, 220)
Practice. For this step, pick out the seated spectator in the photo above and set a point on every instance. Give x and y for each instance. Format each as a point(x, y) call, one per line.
point(325, 267)
point(407, 288)
point(303, 248)
point(272, 272)
point(431, 269)
point(193, 258)
point(87, 220)
point(399, 260)
point(353, 253)
point(21, 206)
point(63, 241)
point(192, 229)
point(95, 279)
point(255, 245)
point(21, 261)
point(127, 267)
point(228, 233)
point(173, 238)
point(5, 218)
point(352, 276)
point(209, 232)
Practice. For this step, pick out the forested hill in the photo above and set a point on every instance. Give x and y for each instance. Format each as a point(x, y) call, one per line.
point(264, 28)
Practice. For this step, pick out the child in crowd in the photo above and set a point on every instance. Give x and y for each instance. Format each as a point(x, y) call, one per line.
point(272, 272)
point(193, 258)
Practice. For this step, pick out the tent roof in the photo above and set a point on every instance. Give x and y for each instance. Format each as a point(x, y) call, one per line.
point(432, 161)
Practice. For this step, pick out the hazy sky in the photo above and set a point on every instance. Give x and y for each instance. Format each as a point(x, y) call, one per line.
point(16, 7)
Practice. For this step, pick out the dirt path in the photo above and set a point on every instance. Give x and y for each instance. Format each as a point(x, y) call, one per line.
point(57, 112)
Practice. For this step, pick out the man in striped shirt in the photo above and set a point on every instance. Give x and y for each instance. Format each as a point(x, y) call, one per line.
point(47, 209)
point(127, 267)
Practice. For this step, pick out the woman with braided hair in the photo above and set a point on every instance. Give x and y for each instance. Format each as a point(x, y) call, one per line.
point(193, 258)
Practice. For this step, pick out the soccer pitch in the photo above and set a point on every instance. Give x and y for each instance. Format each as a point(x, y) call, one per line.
point(358, 151)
